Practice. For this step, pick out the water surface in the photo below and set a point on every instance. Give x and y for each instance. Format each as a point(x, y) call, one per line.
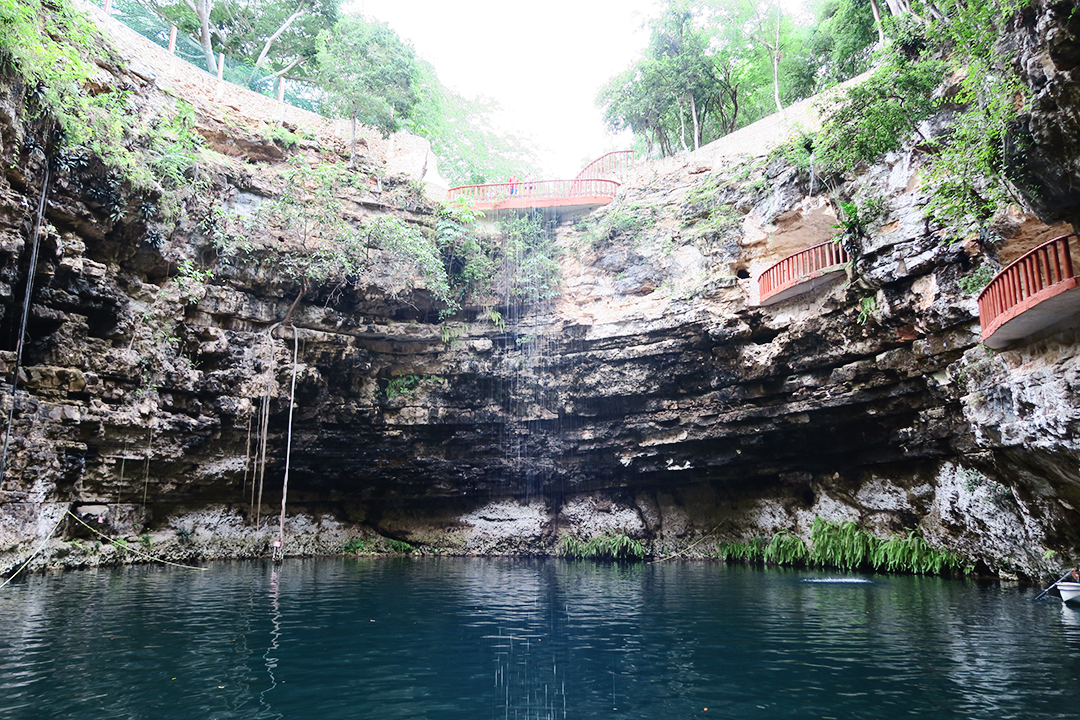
point(480, 638)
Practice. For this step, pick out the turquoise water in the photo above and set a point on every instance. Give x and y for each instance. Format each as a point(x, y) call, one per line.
point(548, 640)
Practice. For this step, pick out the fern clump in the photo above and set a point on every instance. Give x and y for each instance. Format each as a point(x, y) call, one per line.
point(846, 546)
point(601, 547)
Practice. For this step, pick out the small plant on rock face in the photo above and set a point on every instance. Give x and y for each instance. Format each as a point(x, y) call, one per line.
point(852, 226)
point(976, 280)
point(402, 385)
point(355, 546)
point(399, 546)
point(192, 281)
point(973, 479)
point(496, 318)
point(282, 136)
point(867, 308)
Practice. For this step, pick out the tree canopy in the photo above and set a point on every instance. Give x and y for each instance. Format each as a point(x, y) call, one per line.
point(357, 68)
point(713, 66)
point(368, 73)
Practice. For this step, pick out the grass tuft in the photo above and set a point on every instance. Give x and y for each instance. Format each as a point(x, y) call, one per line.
point(845, 546)
point(601, 547)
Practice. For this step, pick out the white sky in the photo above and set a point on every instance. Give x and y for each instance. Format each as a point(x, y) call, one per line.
point(543, 61)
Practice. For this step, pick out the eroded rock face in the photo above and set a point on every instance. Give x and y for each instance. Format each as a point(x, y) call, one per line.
point(653, 397)
point(1046, 151)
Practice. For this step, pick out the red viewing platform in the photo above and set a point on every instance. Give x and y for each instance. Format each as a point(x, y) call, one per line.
point(801, 272)
point(1033, 293)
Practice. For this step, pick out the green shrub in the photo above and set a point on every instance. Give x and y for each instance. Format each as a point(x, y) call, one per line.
point(601, 547)
point(976, 280)
point(876, 116)
point(399, 546)
point(355, 546)
point(402, 385)
point(840, 545)
point(751, 551)
point(786, 548)
point(845, 546)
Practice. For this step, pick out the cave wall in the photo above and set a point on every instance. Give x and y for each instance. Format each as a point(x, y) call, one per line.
point(653, 396)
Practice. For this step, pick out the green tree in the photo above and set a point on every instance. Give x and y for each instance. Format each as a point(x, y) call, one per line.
point(692, 81)
point(192, 17)
point(369, 74)
point(279, 35)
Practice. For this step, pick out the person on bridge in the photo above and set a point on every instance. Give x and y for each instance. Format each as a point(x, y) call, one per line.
point(513, 184)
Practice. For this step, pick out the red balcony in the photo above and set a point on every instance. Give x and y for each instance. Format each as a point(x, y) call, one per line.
point(801, 272)
point(1031, 294)
point(567, 194)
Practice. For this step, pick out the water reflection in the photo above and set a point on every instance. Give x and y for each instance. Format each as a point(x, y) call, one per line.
point(471, 638)
point(275, 635)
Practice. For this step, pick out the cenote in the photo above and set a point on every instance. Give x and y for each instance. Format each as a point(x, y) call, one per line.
point(509, 638)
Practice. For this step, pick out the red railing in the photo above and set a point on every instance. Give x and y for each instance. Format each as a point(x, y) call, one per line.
point(612, 162)
point(800, 267)
point(536, 190)
point(1027, 282)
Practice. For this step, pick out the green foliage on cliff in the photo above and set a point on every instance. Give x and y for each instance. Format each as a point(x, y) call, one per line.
point(515, 267)
point(966, 170)
point(147, 156)
point(876, 116)
point(974, 282)
point(318, 246)
point(528, 270)
point(49, 46)
point(968, 178)
point(601, 547)
point(844, 545)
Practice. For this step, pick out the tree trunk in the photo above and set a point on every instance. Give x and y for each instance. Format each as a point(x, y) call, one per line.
point(697, 126)
point(732, 94)
point(352, 145)
point(776, 61)
point(202, 9)
point(877, 23)
point(277, 33)
point(682, 127)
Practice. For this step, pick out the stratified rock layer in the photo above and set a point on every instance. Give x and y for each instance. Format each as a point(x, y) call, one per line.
point(652, 397)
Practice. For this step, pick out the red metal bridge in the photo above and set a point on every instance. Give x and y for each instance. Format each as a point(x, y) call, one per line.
point(1037, 291)
point(588, 190)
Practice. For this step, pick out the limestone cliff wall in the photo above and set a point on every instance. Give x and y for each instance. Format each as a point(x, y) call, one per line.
point(653, 396)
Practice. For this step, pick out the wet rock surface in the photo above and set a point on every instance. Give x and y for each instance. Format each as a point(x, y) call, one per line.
point(653, 397)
